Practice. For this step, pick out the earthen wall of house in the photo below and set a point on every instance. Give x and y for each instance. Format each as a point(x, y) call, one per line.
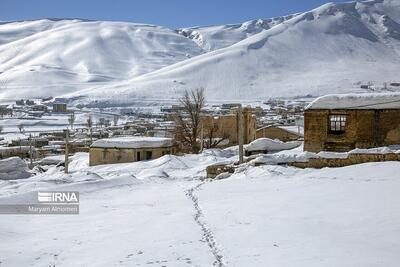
point(365, 128)
point(98, 155)
point(227, 125)
point(61, 108)
point(274, 132)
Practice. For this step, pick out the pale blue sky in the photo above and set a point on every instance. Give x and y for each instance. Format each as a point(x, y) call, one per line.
point(170, 13)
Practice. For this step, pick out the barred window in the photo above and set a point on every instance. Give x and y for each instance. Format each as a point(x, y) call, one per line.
point(337, 123)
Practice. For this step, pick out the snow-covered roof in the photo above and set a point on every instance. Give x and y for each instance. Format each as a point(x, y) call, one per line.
point(13, 168)
point(357, 101)
point(268, 144)
point(134, 142)
point(293, 129)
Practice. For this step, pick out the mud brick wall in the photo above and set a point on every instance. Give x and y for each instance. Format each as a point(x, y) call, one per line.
point(365, 128)
point(273, 132)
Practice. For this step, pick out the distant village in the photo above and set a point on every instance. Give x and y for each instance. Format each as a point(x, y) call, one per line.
point(277, 119)
point(338, 123)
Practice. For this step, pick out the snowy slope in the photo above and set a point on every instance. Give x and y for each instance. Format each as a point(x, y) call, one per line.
point(220, 36)
point(329, 49)
point(53, 57)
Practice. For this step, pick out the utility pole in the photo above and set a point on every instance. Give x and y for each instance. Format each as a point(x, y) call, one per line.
point(201, 138)
point(66, 151)
point(240, 133)
point(30, 151)
point(90, 124)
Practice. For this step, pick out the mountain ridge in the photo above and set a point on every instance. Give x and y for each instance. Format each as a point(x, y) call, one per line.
point(330, 49)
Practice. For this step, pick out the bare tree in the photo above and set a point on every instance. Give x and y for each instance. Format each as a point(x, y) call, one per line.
point(107, 123)
point(115, 120)
point(21, 127)
point(71, 120)
point(101, 122)
point(188, 121)
point(214, 136)
point(89, 122)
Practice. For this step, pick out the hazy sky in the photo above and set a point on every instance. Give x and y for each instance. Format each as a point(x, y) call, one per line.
point(170, 13)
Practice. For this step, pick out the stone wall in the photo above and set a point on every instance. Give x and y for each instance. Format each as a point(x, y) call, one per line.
point(365, 128)
point(215, 170)
point(351, 160)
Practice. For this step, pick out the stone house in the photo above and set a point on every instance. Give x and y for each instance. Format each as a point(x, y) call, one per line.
point(226, 126)
point(5, 110)
point(129, 149)
point(59, 107)
point(16, 151)
point(40, 108)
point(283, 133)
point(344, 122)
point(36, 142)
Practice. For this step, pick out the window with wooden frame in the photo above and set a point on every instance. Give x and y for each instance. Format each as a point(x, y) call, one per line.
point(337, 123)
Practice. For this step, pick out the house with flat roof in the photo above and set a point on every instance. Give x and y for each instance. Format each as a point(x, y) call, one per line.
point(344, 122)
point(280, 132)
point(129, 149)
point(227, 126)
point(59, 108)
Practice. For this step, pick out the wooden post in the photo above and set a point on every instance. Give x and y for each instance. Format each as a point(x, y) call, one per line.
point(240, 133)
point(66, 151)
point(201, 138)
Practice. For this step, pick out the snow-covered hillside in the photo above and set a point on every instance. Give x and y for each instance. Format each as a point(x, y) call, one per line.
point(220, 36)
point(330, 49)
point(54, 57)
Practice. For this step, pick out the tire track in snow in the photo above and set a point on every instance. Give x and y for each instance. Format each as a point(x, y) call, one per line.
point(208, 235)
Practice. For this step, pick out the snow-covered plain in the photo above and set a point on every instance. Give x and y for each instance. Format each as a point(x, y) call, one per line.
point(160, 213)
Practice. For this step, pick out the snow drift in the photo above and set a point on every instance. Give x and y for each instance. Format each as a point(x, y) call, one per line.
point(13, 168)
point(357, 101)
point(270, 145)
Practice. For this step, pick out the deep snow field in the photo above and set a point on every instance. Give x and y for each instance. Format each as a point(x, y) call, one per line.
point(162, 213)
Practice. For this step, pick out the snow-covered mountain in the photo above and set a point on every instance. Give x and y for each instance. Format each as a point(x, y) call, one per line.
point(220, 36)
point(329, 49)
point(45, 57)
